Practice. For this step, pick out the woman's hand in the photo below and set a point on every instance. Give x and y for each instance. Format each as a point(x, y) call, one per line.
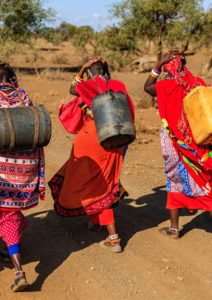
point(166, 58)
point(89, 113)
point(92, 60)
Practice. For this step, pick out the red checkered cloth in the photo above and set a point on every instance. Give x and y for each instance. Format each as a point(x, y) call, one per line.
point(12, 225)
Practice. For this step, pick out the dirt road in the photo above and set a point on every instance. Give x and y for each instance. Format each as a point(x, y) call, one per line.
point(63, 260)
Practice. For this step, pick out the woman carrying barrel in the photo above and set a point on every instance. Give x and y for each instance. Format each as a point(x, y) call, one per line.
point(188, 167)
point(21, 179)
point(89, 182)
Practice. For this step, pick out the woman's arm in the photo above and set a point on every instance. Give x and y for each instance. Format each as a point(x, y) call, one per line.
point(80, 75)
point(149, 86)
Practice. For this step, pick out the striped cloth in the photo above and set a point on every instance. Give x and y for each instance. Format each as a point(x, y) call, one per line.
point(21, 174)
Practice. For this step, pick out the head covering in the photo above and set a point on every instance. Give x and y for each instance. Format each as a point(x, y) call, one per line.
point(174, 67)
point(178, 71)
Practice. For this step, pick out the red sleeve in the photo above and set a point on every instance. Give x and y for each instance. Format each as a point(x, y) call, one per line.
point(71, 116)
point(161, 95)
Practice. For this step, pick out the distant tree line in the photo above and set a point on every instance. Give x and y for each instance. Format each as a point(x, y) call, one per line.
point(165, 23)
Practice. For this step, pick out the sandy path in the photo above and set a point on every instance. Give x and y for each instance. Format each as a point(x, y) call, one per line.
point(63, 260)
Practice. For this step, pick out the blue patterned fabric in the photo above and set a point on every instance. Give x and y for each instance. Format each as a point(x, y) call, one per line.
point(178, 178)
point(183, 174)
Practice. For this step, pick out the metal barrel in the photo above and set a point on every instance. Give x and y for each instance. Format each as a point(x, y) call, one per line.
point(113, 119)
point(24, 128)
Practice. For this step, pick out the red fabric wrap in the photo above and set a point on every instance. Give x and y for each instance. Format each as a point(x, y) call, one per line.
point(170, 95)
point(71, 115)
point(106, 217)
point(12, 225)
point(179, 200)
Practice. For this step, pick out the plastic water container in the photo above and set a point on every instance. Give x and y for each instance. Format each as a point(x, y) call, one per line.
point(198, 108)
point(113, 119)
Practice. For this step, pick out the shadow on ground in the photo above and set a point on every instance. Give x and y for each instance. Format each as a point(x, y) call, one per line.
point(50, 239)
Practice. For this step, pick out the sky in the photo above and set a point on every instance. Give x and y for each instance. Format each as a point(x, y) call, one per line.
point(88, 12)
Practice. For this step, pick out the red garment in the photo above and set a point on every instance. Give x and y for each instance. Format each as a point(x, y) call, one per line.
point(170, 95)
point(12, 225)
point(71, 115)
point(88, 183)
point(104, 218)
point(89, 180)
point(179, 200)
point(90, 88)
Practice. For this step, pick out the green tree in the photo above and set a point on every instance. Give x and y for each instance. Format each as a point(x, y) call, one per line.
point(83, 35)
point(23, 18)
point(115, 39)
point(66, 31)
point(161, 21)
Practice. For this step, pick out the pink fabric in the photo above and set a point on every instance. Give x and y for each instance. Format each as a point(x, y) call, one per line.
point(12, 225)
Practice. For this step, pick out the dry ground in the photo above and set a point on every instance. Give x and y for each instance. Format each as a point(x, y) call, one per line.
point(62, 259)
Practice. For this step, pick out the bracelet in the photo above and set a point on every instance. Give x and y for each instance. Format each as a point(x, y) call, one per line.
point(155, 73)
point(78, 78)
point(82, 105)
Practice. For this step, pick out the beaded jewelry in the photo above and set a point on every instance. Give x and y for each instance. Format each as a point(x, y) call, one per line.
point(155, 73)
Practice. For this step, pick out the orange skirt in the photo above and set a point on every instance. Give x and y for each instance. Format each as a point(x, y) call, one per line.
point(88, 182)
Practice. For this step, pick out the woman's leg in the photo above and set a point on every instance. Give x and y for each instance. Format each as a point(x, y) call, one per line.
point(20, 283)
point(173, 230)
point(113, 241)
point(174, 218)
point(13, 225)
point(111, 228)
point(15, 255)
point(106, 218)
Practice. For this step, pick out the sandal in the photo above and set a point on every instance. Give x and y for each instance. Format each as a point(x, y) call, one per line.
point(20, 283)
point(112, 245)
point(171, 232)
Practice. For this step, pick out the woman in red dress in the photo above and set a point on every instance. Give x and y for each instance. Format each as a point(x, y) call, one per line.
point(89, 182)
point(188, 167)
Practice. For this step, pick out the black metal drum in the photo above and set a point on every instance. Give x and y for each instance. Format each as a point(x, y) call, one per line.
point(113, 119)
point(24, 128)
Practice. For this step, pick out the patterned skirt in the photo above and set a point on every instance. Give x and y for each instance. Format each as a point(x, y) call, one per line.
point(21, 180)
point(182, 190)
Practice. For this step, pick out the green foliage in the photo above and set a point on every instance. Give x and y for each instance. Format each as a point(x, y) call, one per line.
point(21, 19)
point(66, 31)
point(115, 39)
point(83, 35)
point(162, 21)
point(194, 30)
point(53, 35)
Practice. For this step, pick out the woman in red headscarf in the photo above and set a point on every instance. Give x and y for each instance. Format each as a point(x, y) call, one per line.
point(89, 181)
point(188, 167)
